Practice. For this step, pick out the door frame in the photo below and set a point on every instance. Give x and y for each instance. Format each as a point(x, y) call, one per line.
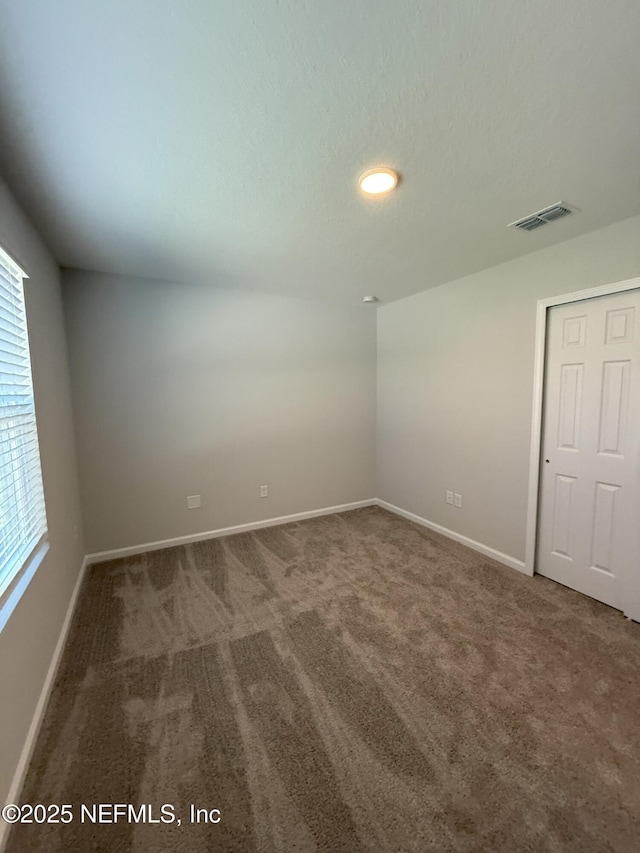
point(542, 311)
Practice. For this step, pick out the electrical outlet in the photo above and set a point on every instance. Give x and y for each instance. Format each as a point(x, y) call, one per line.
point(194, 501)
point(264, 491)
point(457, 500)
point(450, 498)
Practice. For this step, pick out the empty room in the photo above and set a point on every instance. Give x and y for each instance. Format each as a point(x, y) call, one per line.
point(319, 426)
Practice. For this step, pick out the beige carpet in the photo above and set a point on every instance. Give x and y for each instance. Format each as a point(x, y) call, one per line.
point(349, 683)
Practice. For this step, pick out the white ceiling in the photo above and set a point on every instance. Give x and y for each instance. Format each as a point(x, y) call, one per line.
point(167, 137)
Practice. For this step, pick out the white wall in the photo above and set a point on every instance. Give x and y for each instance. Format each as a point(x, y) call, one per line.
point(455, 383)
point(184, 389)
point(29, 637)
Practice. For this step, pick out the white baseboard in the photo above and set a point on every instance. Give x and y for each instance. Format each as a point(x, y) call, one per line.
point(132, 550)
point(101, 556)
point(32, 735)
point(507, 560)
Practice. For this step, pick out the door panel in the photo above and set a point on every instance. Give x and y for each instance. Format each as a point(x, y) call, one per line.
point(614, 406)
point(603, 518)
point(590, 478)
point(562, 521)
point(570, 405)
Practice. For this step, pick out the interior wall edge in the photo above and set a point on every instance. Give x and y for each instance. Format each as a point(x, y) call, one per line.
point(485, 550)
point(20, 773)
point(30, 635)
point(132, 550)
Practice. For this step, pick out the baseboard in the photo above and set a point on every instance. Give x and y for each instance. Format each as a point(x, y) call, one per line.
point(32, 735)
point(507, 560)
point(132, 550)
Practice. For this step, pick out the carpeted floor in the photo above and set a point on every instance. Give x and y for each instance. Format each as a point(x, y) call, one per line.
point(350, 683)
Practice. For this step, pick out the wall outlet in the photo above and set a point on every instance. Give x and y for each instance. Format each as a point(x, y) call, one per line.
point(450, 498)
point(264, 491)
point(457, 500)
point(194, 501)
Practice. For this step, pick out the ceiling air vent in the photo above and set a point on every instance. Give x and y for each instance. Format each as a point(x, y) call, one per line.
point(543, 217)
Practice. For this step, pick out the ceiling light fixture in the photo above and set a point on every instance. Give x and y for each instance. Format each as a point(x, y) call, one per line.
point(378, 181)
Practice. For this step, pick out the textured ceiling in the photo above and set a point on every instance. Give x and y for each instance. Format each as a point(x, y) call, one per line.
point(171, 137)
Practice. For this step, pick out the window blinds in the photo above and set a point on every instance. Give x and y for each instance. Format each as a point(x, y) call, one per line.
point(23, 522)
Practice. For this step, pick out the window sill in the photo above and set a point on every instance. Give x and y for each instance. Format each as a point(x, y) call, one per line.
point(21, 581)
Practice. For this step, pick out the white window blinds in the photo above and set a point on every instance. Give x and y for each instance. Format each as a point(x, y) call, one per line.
point(23, 522)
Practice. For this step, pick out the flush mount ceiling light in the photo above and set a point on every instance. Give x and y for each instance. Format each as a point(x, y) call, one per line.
point(378, 181)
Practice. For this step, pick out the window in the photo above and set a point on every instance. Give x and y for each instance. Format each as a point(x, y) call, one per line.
point(23, 521)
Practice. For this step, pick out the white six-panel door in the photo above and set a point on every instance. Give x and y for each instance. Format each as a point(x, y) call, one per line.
point(589, 512)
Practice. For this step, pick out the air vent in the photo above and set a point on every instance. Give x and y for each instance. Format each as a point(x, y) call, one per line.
point(543, 217)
